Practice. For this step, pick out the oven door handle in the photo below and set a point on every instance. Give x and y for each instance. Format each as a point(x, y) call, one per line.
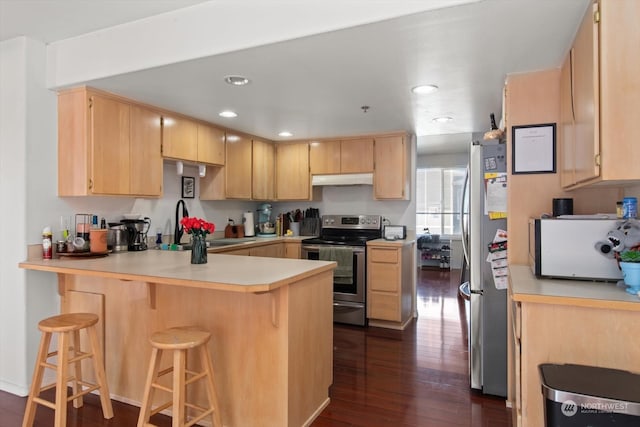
point(346, 304)
point(316, 248)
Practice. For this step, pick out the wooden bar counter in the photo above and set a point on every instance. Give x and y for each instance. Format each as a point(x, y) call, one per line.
point(271, 322)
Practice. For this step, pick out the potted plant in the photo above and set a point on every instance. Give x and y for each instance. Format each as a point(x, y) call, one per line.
point(630, 265)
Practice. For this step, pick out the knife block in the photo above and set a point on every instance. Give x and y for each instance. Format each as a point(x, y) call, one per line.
point(234, 231)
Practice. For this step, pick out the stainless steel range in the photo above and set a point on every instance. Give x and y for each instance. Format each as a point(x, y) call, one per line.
point(343, 238)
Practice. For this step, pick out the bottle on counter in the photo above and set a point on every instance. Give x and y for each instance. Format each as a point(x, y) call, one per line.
point(47, 243)
point(629, 207)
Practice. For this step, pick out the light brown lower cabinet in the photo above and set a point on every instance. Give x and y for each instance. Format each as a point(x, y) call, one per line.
point(279, 249)
point(389, 285)
point(566, 330)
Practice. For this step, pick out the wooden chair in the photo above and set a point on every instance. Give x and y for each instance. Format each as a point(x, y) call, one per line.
point(179, 340)
point(68, 327)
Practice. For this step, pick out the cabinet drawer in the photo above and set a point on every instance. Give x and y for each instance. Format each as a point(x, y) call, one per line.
point(388, 255)
point(384, 306)
point(384, 277)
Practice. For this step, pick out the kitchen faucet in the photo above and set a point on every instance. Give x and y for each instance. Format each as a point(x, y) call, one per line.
point(177, 234)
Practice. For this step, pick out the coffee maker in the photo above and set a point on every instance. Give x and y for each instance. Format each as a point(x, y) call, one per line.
point(265, 226)
point(138, 229)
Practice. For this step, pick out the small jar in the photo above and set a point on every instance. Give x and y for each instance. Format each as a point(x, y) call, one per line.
point(619, 212)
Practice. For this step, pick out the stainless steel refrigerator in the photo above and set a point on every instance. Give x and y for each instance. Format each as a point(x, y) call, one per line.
point(487, 305)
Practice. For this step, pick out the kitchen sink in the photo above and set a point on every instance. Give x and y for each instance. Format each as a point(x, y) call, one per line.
point(214, 243)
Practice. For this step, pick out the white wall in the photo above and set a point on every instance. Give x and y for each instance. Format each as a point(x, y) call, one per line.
point(27, 190)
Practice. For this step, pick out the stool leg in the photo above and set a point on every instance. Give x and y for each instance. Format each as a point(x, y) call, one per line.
point(145, 408)
point(101, 377)
point(36, 382)
point(61, 380)
point(179, 388)
point(205, 357)
point(76, 386)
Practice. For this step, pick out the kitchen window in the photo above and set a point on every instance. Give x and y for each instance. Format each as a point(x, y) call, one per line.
point(438, 200)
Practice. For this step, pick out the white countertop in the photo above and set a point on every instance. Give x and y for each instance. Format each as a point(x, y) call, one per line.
point(526, 287)
point(224, 272)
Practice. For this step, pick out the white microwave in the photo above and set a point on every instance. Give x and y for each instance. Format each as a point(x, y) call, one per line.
point(566, 248)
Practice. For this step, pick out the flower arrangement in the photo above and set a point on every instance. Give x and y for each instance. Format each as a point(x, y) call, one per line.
point(197, 226)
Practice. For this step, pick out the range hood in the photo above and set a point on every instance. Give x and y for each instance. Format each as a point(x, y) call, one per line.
point(343, 179)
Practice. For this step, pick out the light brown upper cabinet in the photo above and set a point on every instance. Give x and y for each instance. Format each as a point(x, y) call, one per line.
point(356, 155)
point(566, 138)
point(145, 169)
point(105, 143)
point(238, 171)
point(179, 138)
point(391, 179)
point(263, 167)
point(210, 145)
point(341, 156)
point(603, 95)
point(292, 171)
point(324, 157)
point(191, 141)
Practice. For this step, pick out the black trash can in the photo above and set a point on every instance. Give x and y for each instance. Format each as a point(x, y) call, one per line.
point(579, 396)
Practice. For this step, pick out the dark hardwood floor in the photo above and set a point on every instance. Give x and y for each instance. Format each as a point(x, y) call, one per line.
point(413, 378)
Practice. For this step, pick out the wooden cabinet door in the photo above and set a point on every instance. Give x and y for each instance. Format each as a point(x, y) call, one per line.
point(179, 138)
point(145, 169)
point(390, 179)
point(263, 167)
point(292, 250)
point(109, 146)
point(566, 128)
point(324, 157)
point(292, 171)
point(619, 72)
point(585, 100)
point(238, 167)
point(274, 250)
point(210, 145)
point(356, 155)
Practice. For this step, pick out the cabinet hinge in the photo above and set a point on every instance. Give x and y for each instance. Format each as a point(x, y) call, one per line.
point(90, 184)
point(598, 160)
point(596, 16)
point(91, 102)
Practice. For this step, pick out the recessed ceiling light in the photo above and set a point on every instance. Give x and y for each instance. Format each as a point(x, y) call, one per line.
point(228, 114)
point(442, 119)
point(236, 80)
point(424, 89)
point(285, 133)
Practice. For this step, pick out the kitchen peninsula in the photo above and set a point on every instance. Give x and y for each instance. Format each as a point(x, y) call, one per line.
point(271, 323)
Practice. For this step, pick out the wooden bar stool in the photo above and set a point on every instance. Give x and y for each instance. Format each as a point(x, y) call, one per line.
point(179, 340)
point(68, 327)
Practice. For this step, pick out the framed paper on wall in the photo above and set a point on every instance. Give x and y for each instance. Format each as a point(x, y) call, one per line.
point(188, 187)
point(533, 148)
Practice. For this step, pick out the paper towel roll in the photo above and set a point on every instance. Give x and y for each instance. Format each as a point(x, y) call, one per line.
point(249, 226)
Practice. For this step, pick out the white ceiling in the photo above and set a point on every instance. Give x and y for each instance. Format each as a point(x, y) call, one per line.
point(315, 86)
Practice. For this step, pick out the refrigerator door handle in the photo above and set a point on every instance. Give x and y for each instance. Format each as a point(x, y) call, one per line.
point(465, 236)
